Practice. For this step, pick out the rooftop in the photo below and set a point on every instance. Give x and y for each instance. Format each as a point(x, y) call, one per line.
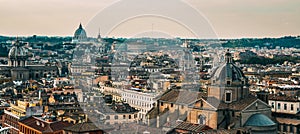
point(43, 126)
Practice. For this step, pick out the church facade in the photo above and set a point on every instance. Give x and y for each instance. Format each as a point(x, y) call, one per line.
point(19, 69)
point(227, 105)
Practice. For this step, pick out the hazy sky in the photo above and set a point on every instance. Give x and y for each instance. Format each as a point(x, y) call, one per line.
point(229, 18)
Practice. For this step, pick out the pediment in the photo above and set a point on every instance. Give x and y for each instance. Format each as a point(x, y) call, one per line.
point(203, 104)
point(257, 105)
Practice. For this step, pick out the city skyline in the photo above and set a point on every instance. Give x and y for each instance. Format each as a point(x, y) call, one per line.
point(229, 19)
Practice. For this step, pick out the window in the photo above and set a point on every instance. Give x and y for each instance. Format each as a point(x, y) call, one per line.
point(272, 104)
point(171, 104)
point(291, 128)
point(228, 82)
point(256, 105)
point(129, 117)
point(124, 116)
point(116, 117)
point(278, 106)
point(162, 104)
point(201, 119)
point(292, 107)
point(228, 97)
point(284, 128)
point(285, 106)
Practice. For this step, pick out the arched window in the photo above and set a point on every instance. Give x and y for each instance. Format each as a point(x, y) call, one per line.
point(201, 119)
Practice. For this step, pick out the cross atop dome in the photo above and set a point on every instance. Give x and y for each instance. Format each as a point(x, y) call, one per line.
point(79, 35)
point(80, 26)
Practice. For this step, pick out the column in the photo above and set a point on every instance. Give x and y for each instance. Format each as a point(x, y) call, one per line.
point(157, 121)
point(281, 128)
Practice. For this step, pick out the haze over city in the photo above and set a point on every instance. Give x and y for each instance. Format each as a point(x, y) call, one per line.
point(149, 67)
point(228, 18)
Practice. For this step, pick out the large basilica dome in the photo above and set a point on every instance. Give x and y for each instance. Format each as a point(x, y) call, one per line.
point(17, 51)
point(79, 35)
point(17, 55)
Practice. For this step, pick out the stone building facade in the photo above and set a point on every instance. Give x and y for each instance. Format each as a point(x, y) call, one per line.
point(19, 69)
point(226, 105)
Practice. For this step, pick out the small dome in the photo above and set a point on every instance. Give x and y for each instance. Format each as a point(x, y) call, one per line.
point(17, 51)
point(80, 34)
point(259, 120)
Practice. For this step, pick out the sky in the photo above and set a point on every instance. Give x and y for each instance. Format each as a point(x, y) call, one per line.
point(227, 18)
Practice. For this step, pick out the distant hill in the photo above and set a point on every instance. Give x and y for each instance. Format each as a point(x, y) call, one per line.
point(35, 38)
point(271, 43)
point(3, 50)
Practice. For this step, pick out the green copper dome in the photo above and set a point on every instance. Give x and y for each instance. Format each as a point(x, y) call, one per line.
point(259, 120)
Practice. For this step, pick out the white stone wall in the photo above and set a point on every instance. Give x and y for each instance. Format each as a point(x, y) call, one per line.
point(275, 106)
point(139, 100)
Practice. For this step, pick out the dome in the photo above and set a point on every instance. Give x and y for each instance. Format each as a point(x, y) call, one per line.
point(80, 34)
point(228, 71)
point(259, 120)
point(17, 51)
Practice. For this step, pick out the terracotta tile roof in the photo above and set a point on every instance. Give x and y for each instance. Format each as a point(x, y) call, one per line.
point(169, 96)
point(230, 131)
point(181, 96)
point(153, 113)
point(288, 121)
point(44, 126)
point(238, 105)
point(83, 127)
point(130, 128)
point(192, 127)
point(60, 125)
point(283, 98)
